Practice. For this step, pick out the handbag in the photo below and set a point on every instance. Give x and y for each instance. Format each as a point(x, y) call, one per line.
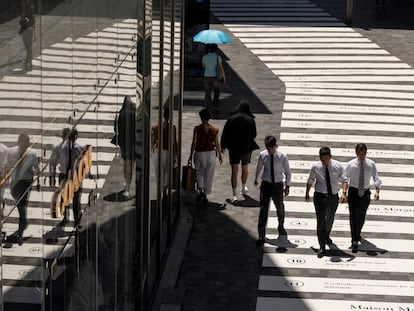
point(188, 177)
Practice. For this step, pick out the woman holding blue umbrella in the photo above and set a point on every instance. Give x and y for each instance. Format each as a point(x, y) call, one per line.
point(214, 77)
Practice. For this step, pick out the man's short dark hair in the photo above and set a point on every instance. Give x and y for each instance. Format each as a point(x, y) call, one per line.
point(65, 132)
point(24, 140)
point(360, 146)
point(270, 141)
point(73, 136)
point(324, 151)
point(211, 48)
point(205, 115)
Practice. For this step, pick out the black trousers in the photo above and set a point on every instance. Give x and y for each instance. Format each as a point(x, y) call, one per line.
point(325, 207)
point(28, 44)
point(275, 192)
point(211, 84)
point(358, 207)
point(21, 193)
point(76, 204)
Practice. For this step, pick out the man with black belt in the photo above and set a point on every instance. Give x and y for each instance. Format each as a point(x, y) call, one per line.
point(328, 175)
point(359, 172)
point(272, 167)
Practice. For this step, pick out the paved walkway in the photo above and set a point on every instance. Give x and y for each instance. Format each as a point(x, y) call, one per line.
point(312, 81)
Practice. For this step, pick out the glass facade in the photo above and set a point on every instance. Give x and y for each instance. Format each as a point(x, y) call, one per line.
point(90, 123)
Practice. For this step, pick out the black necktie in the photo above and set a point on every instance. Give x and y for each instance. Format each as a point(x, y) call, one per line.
point(272, 168)
point(361, 188)
point(328, 180)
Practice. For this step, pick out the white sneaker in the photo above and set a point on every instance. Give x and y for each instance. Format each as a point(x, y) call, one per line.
point(233, 199)
point(126, 194)
point(244, 190)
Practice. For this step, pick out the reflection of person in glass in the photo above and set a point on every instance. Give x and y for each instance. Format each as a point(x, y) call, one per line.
point(164, 150)
point(3, 157)
point(64, 155)
point(205, 147)
point(22, 163)
point(125, 129)
point(27, 26)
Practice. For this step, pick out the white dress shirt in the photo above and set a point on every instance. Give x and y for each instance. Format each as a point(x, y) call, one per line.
point(370, 170)
point(336, 175)
point(280, 166)
point(60, 157)
point(26, 169)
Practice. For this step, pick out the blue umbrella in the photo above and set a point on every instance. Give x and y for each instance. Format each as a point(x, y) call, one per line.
point(210, 36)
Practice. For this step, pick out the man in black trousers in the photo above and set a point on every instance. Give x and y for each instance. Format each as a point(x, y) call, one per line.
point(327, 174)
point(64, 155)
point(359, 172)
point(272, 168)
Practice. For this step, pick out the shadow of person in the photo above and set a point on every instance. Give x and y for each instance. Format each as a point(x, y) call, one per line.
point(247, 202)
point(117, 197)
point(336, 254)
point(282, 243)
point(370, 248)
point(215, 206)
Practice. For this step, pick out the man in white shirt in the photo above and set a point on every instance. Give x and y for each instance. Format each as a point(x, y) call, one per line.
point(59, 158)
point(22, 162)
point(359, 172)
point(64, 155)
point(272, 168)
point(328, 176)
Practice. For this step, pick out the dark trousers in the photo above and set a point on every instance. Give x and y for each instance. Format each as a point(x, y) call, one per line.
point(325, 207)
point(211, 84)
point(28, 44)
point(275, 192)
point(358, 207)
point(76, 204)
point(21, 193)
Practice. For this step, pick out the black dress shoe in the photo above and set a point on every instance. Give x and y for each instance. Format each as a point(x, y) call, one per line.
point(354, 247)
point(260, 241)
point(329, 241)
point(63, 222)
point(20, 240)
point(321, 253)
